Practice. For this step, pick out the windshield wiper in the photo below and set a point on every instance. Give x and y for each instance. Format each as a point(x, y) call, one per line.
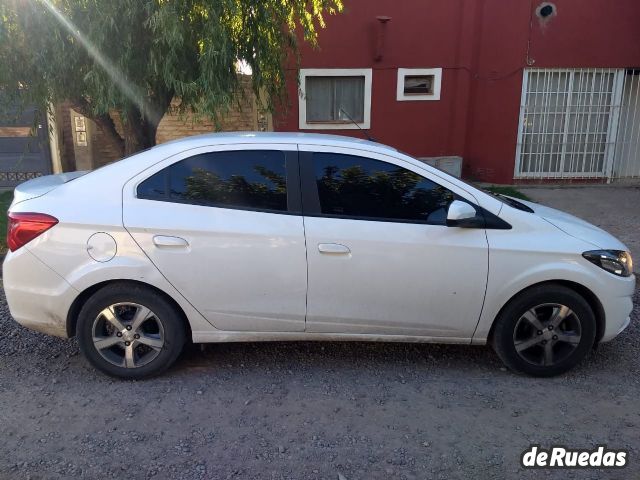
point(512, 202)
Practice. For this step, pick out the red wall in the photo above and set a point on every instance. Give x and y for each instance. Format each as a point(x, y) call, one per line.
point(482, 46)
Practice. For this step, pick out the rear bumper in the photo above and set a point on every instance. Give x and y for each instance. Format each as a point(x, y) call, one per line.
point(38, 298)
point(617, 307)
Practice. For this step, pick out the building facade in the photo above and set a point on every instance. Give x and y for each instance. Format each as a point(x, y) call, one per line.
point(516, 91)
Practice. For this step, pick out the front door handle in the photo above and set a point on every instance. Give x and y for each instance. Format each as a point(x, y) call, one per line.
point(334, 248)
point(167, 241)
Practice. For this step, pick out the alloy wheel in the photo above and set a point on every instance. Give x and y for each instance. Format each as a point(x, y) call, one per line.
point(547, 334)
point(128, 335)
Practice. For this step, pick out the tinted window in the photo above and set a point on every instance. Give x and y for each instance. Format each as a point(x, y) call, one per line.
point(361, 187)
point(241, 179)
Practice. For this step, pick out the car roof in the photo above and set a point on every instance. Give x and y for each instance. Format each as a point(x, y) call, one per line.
point(279, 137)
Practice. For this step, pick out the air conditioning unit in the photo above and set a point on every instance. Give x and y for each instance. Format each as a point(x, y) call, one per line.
point(452, 165)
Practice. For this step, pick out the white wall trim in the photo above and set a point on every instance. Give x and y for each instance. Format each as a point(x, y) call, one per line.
point(437, 84)
point(367, 73)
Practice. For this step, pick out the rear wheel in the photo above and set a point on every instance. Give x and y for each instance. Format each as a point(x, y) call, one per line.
point(130, 331)
point(544, 331)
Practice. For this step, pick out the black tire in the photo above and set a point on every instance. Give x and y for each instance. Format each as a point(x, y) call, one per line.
point(166, 324)
point(510, 325)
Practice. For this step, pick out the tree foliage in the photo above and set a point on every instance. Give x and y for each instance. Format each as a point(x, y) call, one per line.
point(134, 57)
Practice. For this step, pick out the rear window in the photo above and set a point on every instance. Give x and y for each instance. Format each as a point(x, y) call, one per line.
point(247, 179)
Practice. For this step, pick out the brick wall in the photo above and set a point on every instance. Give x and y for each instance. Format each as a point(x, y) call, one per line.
point(243, 116)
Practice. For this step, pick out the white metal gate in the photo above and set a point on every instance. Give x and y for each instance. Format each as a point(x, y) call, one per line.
point(579, 123)
point(627, 154)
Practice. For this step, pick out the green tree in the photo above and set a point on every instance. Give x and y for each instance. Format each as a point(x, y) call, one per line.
point(133, 57)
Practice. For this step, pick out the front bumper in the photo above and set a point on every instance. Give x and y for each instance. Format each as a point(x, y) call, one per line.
point(38, 298)
point(617, 306)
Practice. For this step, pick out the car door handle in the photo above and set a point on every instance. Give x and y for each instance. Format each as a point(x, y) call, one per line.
point(333, 248)
point(167, 241)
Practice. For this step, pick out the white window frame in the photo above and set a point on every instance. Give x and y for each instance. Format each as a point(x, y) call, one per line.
point(367, 73)
point(437, 84)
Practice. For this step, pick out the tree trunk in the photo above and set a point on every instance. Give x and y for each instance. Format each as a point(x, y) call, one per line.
point(108, 128)
point(104, 122)
point(139, 133)
point(139, 129)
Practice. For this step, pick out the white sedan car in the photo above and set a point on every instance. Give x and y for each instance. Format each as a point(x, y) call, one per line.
point(254, 237)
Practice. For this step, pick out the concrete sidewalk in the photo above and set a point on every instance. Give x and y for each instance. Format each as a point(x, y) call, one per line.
point(612, 208)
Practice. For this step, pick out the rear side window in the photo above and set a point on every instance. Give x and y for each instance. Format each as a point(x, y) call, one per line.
point(360, 187)
point(250, 179)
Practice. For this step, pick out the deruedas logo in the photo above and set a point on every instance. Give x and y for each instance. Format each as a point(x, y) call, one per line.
point(563, 457)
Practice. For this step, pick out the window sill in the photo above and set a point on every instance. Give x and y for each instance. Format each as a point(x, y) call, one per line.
point(333, 122)
point(334, 126)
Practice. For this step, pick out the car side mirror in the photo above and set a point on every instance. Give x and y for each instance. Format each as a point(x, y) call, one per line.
point(461, 214)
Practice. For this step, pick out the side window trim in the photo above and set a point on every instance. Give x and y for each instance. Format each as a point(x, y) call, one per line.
point(294, 200)
point(294, 193)
point(310, 195)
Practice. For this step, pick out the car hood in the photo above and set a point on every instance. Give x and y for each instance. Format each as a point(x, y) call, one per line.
point(576, 227)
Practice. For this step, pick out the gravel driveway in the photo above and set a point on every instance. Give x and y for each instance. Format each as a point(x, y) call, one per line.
point(308, 411)
point(305, 410)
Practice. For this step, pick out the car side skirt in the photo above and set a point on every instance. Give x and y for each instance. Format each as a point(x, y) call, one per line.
point(223, 337)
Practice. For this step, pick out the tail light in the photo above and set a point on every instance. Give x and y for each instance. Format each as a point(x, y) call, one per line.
point(24, 227)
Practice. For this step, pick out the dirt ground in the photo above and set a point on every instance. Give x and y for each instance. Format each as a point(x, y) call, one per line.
point(309, 411)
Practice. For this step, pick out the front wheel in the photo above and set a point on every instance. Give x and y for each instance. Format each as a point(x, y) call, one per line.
point(129, 331)
point(544, 331)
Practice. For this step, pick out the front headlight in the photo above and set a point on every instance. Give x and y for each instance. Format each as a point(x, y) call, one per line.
point(617, 262)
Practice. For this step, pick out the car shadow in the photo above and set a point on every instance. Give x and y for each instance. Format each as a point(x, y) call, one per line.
point(344, 357)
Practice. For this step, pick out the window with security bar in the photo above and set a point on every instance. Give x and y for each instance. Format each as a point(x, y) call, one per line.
point(626, 162)
point(568, 122)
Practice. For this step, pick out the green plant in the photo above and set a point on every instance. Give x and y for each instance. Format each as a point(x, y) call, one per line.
point(134, 57)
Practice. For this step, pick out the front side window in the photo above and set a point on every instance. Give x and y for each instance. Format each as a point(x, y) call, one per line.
point(359, 187)
point(235, 179)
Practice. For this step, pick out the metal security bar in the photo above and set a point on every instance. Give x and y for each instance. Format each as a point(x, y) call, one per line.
point(579, 123)
point(626, 163)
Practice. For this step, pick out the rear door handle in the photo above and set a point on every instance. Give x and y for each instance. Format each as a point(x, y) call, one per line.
point(335, 248)
point(167, 241)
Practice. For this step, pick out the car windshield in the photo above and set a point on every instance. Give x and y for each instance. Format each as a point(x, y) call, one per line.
point(504, 198)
